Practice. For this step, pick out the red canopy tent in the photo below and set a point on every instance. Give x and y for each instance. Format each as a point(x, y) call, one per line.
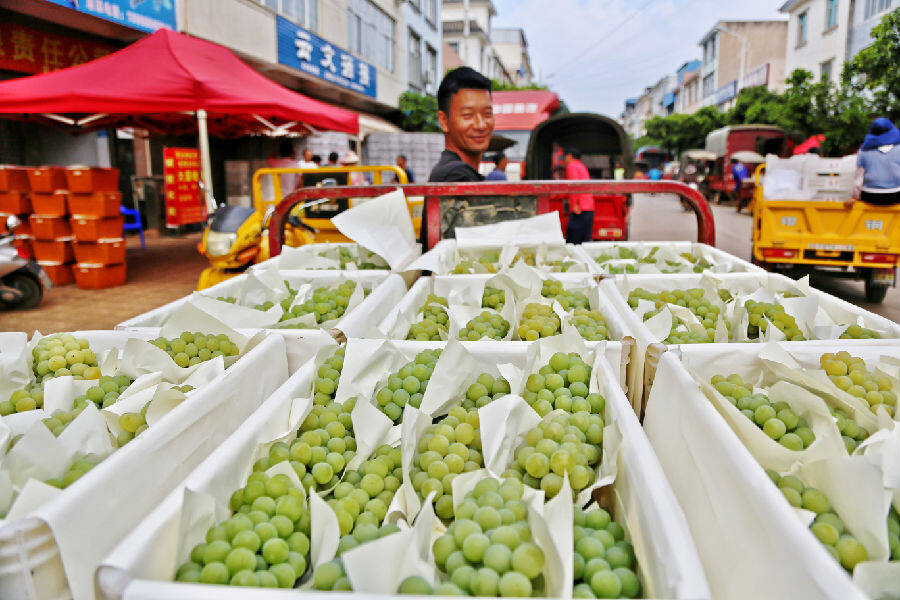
point(162, 83)
point(524, 109)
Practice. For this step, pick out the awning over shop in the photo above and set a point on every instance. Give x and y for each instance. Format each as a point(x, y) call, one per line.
point(668, 99)
point(523, 110)
point(159, 83)
point(372, 124)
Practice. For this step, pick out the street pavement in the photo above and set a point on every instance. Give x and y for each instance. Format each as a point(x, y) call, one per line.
point(660, 217)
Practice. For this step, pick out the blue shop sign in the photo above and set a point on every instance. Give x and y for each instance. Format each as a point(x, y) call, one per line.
point(304, 51)
point(146, 15)
point(726, 92)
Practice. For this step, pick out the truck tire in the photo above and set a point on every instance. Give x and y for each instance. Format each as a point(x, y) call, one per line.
point(875, 292)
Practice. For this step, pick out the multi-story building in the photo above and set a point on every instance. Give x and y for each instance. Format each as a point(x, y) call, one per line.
point(825, 34)
point(662, 96)
point(628, 116)
point(511, 46)
point(739, 54)
point(467, 30)
point(687, 92)
point(817, 36)
point(422, 38)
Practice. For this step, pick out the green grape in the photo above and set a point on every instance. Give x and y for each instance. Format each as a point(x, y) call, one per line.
point(893, 524)
point(487, 324)
point(331, 577)
point(407, 385)
point(493, 298)
point(415, 585)
point(538, 320)
point(604, 562)
point(692, 299)
point(560, 266)
point(447, 448)
point(326, 303)
point(74, 472)
point(484, 555)
point(591, 324)
point(563, 384)
point(328, 377)
point(850, 374)
point(56, 355)
point(463, 267)
point(827, 525)
point(485, 389)
point(255, 547)
point(763, 313)
point(433, 325)
point(777, 420)
point(857, 332)
point(527, 256)
point(362, 498)
point(568, 299)
point(568, 444)
point(228, 299)
point(188, 349)
point(28, 398)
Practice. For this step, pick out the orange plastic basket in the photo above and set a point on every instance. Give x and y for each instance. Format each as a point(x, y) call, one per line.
point(59, 251)
point(46, 179)
point(95, 277)
point(13, 179)
point(97, 204)
point(44, 227)
point(52, 204)
point(59, 273)
point(86, 180)
point(15, 202)
point(104, 252)
point(91, 229)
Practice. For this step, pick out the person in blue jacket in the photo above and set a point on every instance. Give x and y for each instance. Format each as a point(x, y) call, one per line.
point(739, 172)
point(878, 165)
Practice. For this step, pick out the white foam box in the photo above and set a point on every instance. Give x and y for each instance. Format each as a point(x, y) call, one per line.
point(52, 553)
point(141, 567)
point(618, 352)
point(445, 255)
point(648, 347)
point(723, 262)
point(751, 542)
point(387, 289)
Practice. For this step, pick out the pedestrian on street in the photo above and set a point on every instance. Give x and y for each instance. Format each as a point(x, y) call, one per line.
point(654, 174)
point(466, 116)
point(878, 166)
point(351, 159)
point(581, 206)
point(401, 162)
point(307, 162)
point(333, 159)
point(619, 172)
point(739, 172)
point(284, 157)
point(317, 160)
point(499, 173)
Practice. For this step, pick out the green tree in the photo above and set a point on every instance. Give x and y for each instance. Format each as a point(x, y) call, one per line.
point(874, 69)
point(502, 86)
point(419, 112)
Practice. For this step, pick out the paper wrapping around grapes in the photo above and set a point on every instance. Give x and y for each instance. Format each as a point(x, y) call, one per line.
point(308, 321)
point(380, 566)
point(406, 502)
point(409, 310)
point(769, 453)
point(15, 362)
point(522, 232)
point(783, 366)
point(235, 315)
point(312, 256)
point(383, 225)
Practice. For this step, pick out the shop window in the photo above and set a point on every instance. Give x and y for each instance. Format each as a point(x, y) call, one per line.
point(371, 33)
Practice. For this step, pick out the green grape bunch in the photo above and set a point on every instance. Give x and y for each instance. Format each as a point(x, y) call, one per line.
point(486, 324)
point(590, 324)
point(486, 389)
point(849, 373)
point(75, 471)
point(434, 322)
point(328, 377)
point(851, 432)
point(827, 526)
point(893, 525)
point(61, 354)
point(228, 299)
point(190, 349)
point(323, 447)
point(28, 398)
point(361, 500)
point(493, 298)
point(524, 255)
point(265, 543)
point(858, 332)
point(568, 443)
point(694, 300)
point(538, 321)
point(568, 299)
point(762, 313)
point(563, 384)
point(407, 385)
point(326, 303)
point(776, 419)
point(560, 266)
point(331, 576)
point(463, 267)
point(604, 563)
point(447, 448)
point(488, 549)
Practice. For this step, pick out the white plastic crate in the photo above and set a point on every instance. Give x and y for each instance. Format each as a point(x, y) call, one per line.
point(141, 567)
point(751, 542)
point(52, 552)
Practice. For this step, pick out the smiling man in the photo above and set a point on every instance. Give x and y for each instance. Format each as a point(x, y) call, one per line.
point(466, 116)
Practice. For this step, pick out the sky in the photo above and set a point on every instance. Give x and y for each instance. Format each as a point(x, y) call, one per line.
point(597, 53)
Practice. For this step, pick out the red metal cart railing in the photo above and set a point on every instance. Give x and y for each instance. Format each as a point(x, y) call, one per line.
point(446, 204)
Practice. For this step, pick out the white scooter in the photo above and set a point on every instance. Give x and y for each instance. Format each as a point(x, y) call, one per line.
point(22, 280)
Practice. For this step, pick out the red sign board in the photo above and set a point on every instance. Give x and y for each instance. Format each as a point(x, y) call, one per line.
point(181, 169)
point(27, 50)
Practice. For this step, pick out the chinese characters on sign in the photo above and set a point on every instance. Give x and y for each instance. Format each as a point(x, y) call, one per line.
point(181, 170)
point(27, 50)
point(301, 50)
point(140, 14)
point(516, 108)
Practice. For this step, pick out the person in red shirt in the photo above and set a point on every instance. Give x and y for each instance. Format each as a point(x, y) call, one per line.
point(581, 206)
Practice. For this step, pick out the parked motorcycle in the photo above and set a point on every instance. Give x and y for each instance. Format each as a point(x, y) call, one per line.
point(22, 280)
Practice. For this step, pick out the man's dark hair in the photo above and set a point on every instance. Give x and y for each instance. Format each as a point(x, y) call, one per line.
point(403, 156)
point(573, 151)
point(463, 78)
point(734, 161)
point(317, 159)
point(286, 149)
point(333, 157)
point(498, 158)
